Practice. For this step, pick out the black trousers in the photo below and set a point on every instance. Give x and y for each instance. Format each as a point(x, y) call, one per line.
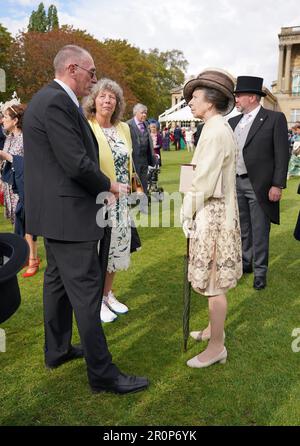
point(74, 280)
point(142, 172)
point(177, 144)
point(255, 228)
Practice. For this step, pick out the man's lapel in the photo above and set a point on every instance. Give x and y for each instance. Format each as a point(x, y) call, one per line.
point(256, 125)
point(136, 129)
point(235, 121)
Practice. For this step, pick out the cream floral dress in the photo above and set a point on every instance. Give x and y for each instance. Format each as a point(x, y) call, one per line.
point(119, 251)
point(215, 239)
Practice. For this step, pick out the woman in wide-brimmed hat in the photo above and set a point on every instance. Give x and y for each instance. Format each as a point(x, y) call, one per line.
point(210, 212)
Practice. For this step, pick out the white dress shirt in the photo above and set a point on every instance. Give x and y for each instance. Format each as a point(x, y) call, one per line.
point(249, 117)
point(69, 91)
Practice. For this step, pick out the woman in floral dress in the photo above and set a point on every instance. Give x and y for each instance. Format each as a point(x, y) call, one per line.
point(294, 164)
point(13, 146)
point(104, 108)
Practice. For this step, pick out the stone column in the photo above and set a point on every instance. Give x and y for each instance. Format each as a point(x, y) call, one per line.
point(280, 68)
point(287, 68)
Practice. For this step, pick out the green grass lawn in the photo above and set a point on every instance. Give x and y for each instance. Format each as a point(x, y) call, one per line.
point(259, 385)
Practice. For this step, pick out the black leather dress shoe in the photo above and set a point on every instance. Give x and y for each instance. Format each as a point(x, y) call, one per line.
point(75, 353)
point(247, 269)
point(123, 384)
point(259, 283)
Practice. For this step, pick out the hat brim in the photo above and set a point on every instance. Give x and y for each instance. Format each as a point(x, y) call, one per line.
point(259, 92)
point(16, 248)
point(191, 85)
point(10, 298)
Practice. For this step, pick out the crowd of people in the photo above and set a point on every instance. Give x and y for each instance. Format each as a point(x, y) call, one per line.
point(86, 149)
point(178, 137)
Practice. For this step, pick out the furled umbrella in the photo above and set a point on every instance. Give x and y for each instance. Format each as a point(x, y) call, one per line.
point(186, 297)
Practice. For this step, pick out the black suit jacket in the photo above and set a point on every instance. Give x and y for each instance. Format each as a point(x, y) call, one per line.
point(266, 155)
point(135, 132)
point(61, 169)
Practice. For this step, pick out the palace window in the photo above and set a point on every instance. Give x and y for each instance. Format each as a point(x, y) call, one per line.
point(296, 84)
point(295, 115)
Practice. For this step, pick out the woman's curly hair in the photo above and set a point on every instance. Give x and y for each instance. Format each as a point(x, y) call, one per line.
point(89, 102)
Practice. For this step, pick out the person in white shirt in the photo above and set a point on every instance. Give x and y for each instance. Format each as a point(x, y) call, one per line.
point(189, 137)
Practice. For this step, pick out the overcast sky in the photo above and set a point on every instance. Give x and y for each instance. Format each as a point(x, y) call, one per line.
point(240, 36)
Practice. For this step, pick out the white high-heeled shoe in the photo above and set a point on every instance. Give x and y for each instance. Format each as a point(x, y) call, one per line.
point(195, 363)
point(198, 336)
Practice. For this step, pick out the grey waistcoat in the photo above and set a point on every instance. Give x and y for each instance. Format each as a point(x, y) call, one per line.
point(240, 137)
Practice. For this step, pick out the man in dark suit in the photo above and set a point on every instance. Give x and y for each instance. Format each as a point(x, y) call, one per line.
point(197, 133)
point(62, 181)
point(262, 138)
point(177, 137)
point(143, 154)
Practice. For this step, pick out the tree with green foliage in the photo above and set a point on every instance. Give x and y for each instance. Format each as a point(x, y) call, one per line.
point(52, 18)
point(169, 69)
point(33, 52)
point(137, 71)
point(39, 21)
point(6, 42)
point(150, 75)
point(145, 77)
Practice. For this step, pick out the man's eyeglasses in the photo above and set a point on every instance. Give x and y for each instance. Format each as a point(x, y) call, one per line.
point(92, 72)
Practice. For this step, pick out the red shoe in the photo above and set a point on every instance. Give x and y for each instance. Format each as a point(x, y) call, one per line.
point(27, 263)
point(33, 268)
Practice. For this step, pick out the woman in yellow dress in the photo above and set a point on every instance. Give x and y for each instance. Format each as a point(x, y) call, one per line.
point(104, 108)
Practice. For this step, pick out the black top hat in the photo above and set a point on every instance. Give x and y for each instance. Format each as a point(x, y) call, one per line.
point(13, 255)
point(249, 84)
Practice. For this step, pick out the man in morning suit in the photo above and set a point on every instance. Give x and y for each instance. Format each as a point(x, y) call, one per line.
point(262, 139)
point(142, 153)
point(62, 181)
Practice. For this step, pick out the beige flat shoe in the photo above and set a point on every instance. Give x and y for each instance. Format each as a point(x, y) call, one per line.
point(195, 363)
point(198, 336)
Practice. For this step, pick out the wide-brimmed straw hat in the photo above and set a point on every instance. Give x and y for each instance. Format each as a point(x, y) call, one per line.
point(212, 78)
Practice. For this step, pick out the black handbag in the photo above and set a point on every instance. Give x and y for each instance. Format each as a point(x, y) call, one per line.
point(8, 174)
point(135, 243)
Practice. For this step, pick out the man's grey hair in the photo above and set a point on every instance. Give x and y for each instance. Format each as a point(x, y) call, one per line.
point(89, 103)
point(258, 98)
point(67, 55)
point(139, 107)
